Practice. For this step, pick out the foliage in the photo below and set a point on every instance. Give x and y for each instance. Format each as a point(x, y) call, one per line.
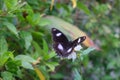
point(25, 36)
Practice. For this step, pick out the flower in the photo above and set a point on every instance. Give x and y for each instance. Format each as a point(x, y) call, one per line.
point(73, 55)
point(78, 48)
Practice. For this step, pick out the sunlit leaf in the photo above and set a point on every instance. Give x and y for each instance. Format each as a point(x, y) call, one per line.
point(24, 58)
point(27, 65)
point(44, 22)
point(4, 57)
point(34, 19)
point(37, 33)
point(11, 3)
point(51, 65)
point(7, 75)
point(87, 51)
point(11, 27)
point(77, 75)
point(3, 45)
point(83, 7)
point(45, 46)
point(50, 55)
point(26, 61)
point(27, 38)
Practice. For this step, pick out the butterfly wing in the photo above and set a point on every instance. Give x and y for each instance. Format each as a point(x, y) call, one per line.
point(58, 36)
point(71, 46)
point(78, 41)
point(61, 45)
point(62, 49)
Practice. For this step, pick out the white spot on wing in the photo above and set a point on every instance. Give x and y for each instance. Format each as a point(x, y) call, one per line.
point(60, 47)
point(79, 40)
point(58, 34)
point(69, 50)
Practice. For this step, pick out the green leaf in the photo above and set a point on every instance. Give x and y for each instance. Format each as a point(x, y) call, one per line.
point(27, 65)
point(49, 55)
point(38, 34)
point(37, 48)
point(45, 46)
point(77, 75)
point(12, 65)
point(11, 27)
point(3, 45)
point(7, 75)
point(24, 58)
point(4, 57)
point(44, 22)
point(11, 3)
point(111, 64)
point(87, 51)
point(83, 7)
point(26, 61)
point(51, 65)
point(34, 19)
point(27, 37)
point(103, 8)
point(57, 76)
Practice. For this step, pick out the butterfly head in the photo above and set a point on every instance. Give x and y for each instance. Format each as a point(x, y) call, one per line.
point(56, 32)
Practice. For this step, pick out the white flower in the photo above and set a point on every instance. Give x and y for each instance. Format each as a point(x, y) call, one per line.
point(78, 48)
point(73, 55)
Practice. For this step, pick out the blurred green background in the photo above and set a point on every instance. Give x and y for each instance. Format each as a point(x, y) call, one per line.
point(25, 36)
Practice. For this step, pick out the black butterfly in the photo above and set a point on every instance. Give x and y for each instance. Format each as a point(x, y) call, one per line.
point(62, 45)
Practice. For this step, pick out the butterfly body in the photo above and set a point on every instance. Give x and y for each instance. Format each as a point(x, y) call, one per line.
point(63, 49)
point(62, 45)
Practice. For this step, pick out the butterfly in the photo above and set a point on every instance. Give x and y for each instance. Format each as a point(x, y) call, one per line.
point(62, 46)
